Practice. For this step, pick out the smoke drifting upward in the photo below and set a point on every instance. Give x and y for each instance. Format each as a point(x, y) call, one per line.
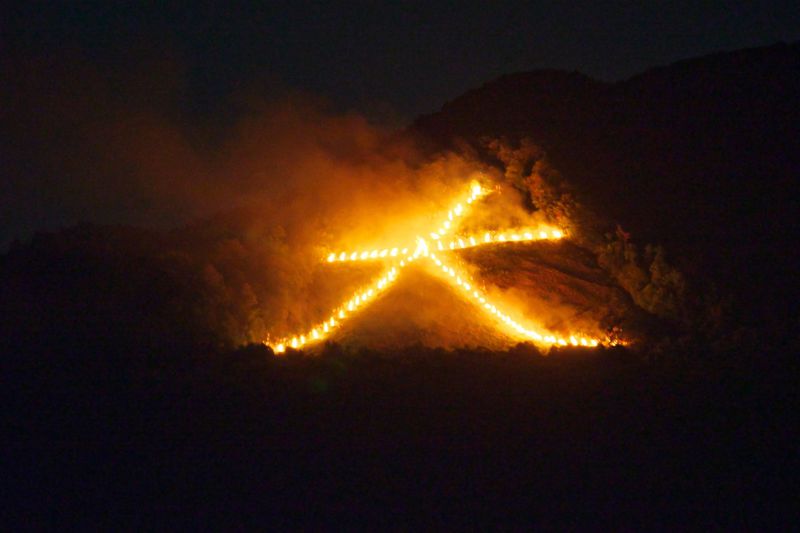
point(262, 194)
point(120, 146)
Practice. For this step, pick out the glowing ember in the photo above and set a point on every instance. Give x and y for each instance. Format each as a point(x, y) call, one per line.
point(514, 326)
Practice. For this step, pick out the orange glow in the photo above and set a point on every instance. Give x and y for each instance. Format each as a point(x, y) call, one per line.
point(516, 326)
point(466, 241)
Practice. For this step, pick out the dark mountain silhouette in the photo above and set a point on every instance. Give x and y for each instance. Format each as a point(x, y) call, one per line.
point(129, 400)
point(702, 156)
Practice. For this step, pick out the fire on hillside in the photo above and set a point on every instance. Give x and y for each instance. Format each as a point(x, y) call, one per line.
point(447, 236)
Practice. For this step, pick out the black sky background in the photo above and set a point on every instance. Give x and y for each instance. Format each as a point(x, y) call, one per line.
point(120, 112)
point(395, 60)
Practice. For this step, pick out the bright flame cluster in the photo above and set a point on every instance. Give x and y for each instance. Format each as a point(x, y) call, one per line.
point(525, 235)
point(400, 257)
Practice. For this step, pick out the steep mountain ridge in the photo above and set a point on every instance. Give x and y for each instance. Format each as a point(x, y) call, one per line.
point(701, 156)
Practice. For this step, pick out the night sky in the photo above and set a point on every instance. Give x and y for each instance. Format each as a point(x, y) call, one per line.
point(395, 60)
point(125, 112)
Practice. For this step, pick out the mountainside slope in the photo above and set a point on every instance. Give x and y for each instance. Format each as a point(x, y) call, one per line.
point(701, 156)
point(122, 290)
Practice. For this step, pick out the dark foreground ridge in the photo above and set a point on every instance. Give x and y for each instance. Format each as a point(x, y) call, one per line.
point(470, 438)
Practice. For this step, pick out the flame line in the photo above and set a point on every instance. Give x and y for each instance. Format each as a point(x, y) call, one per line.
point(460, 242)
point(400, 259)
point(478, 297)
point(357, 300)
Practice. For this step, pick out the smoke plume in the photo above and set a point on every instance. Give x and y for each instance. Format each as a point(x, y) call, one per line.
point(260, 188)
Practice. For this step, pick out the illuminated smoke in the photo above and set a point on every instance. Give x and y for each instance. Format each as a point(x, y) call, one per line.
point(275, 191)
point(400, 256)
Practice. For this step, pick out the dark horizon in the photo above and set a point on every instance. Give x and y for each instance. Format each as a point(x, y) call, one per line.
point(394, 63)
point(78, 124)
point(90, 85)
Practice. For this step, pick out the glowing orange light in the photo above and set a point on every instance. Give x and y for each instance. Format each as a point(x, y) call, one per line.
point(457, 278)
